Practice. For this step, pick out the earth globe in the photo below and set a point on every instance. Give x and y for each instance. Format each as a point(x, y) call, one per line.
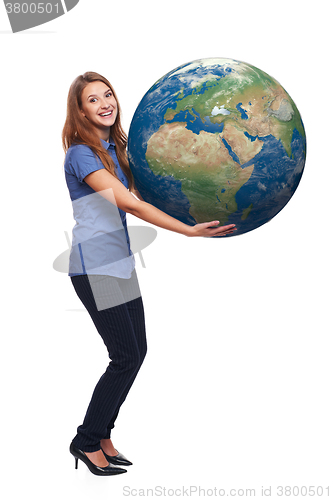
point(217, 139)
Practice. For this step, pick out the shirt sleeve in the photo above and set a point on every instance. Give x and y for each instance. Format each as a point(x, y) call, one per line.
point(82, 161)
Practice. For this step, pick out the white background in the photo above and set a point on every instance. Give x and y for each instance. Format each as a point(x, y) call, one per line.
point(235, 391)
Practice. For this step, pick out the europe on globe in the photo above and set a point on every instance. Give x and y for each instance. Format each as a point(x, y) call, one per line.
point(217, 139)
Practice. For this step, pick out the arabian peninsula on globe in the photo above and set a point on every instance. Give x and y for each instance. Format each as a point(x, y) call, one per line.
point(217, 139)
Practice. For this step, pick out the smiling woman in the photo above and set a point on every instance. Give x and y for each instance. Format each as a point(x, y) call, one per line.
point(82, 114)
point(99, 106)
point(101, 265)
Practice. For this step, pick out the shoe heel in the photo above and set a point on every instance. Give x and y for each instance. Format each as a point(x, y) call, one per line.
point(76, 462)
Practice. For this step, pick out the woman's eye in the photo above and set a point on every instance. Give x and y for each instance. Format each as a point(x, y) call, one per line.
point(93, 99)
point(109, 94)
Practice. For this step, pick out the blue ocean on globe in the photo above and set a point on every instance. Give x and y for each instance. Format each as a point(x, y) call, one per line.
point(217, 139)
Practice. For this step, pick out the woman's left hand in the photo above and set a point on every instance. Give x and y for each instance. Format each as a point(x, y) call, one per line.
point(211, 229)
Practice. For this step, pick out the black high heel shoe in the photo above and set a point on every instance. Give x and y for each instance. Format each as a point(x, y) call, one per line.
point(109, 470)
point(118, 459)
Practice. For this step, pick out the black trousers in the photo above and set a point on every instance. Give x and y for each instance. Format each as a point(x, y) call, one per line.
point(122, 329)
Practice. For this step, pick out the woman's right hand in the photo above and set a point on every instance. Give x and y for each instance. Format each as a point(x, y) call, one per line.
point(210, 229)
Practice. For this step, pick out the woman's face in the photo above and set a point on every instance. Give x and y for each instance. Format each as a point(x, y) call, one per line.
point(99, 106)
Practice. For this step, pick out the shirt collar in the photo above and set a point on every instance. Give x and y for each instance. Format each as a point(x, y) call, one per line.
point(106, 145)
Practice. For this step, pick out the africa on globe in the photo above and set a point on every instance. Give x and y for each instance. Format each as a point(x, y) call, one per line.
point(217, 139)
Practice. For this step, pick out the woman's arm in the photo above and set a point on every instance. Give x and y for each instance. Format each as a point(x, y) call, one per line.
point(103, 182)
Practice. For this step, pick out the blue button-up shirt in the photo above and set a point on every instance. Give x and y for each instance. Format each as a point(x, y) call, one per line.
point(100, 241)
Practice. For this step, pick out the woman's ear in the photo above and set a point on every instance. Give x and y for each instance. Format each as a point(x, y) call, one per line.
point(82, 113)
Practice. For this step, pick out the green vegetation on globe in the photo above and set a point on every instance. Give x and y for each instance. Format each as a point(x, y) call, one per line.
point(217, 139)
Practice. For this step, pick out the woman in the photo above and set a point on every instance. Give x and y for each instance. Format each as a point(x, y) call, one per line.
point(101, 267)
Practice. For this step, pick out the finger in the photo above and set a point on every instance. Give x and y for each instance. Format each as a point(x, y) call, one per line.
point(230, 227)
point(223, 231)
point(223, 228)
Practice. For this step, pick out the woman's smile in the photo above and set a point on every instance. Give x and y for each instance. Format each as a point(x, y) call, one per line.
point(107, 115)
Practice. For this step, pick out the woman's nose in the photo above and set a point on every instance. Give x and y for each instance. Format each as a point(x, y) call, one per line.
point(104, 104)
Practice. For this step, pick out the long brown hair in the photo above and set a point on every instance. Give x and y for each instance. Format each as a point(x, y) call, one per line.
point(77, 130)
